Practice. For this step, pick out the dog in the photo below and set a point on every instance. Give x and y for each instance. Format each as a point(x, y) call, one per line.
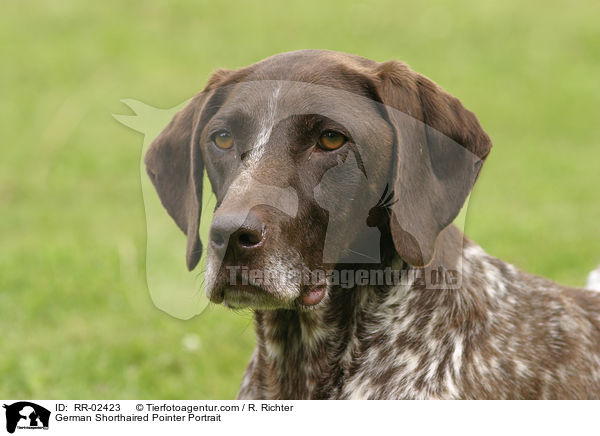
point(332, 163)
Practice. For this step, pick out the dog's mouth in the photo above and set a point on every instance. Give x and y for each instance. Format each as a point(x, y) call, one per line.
point(246, 296)
point(259, 297)
point(272, 283)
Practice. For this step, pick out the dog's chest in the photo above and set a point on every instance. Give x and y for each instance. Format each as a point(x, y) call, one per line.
point(377, 355)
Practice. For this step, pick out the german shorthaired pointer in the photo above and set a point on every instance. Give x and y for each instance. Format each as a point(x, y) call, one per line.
point(329, 162)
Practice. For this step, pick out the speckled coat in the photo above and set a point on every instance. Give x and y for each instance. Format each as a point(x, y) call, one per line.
point(504, 334)
point(495, 333)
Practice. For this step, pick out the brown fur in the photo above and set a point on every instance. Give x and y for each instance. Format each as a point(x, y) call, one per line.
point(492, 332)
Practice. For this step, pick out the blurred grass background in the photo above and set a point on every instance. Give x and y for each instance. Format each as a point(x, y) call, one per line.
point(76, 320)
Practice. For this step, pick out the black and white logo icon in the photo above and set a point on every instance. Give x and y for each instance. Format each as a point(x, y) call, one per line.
point(26, 415)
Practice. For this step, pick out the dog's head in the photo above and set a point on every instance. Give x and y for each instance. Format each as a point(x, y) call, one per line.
point(317, 159)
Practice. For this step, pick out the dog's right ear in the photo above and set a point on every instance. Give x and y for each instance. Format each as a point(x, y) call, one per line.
point(174, 164)
point(440, 148)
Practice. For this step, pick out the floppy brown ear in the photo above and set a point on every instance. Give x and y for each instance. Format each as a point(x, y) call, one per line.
point(440, 148)
point(174, 162)
point(174, 165)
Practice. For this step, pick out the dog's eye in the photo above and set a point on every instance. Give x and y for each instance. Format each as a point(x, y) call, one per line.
point(223, 140)
point(331, 140)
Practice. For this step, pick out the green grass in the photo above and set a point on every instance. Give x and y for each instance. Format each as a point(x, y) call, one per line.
point(76, 319)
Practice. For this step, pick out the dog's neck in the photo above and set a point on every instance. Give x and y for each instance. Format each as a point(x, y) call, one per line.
point(307, 354)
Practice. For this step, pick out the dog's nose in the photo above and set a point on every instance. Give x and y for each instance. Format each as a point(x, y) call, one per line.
point(242, 233)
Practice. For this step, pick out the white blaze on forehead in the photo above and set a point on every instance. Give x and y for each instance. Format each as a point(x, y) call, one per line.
point(268, 119)
point(246, 184)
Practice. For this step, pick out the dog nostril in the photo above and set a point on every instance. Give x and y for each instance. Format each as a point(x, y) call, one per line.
point(249, 239)
point(217, 238)
point(237, 233)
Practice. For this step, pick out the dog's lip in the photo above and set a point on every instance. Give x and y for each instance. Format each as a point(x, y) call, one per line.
point(235, 292)
point(313, 295)
point(238, 289)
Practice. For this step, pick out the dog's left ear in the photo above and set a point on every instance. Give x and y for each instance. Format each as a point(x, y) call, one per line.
point(174, 164)
point(175, 167)
point(440, 148)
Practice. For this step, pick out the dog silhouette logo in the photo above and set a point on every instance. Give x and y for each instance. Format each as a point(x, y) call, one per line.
point(26, 415)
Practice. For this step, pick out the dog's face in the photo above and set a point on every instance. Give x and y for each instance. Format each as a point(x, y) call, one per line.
point(273, 153)
point(317, 159)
